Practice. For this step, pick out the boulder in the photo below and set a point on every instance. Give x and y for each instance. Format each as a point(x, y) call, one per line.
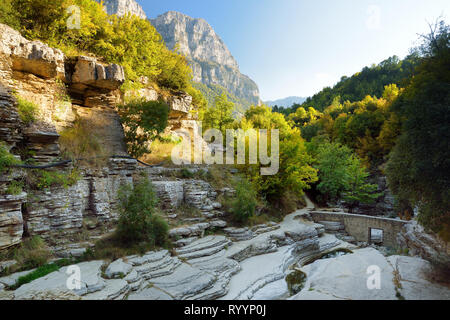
point(185, 282)
point(180, 104)
point(218, 224)
point(429, 247)
point(89, 72)
point(56, 282)
point(414, 276)
point(259, 247)
point(31, 56)
point(118, 269)
point(345, 278)
point(113, 289)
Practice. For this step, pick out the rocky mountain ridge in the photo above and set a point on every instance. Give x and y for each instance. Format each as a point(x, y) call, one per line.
point(122, 7)
point(286, 102)
point(210, 59)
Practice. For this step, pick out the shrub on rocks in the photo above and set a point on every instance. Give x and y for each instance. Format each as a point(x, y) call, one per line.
point(244, 204)
point(27, 110)
point(32, 253)
point(6, 159)
point(139, 220)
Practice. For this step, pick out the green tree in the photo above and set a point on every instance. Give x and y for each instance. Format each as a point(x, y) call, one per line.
point(135, 44)
point(333, 164)
point(295, 172)
point(220, 116)
point(342, 175)
point(357, 189)
point(144, 121)
point(418, 169)
point(8, 14)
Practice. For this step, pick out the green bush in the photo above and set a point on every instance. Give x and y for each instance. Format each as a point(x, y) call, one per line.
point(81, 142)
point(138, 221)
point(186, 173)
point(15, 188)
point(42, 271)
point(159, 230)
point(27, 110)
point(6, 159)
point(42, 179)
point(245, 202)
point(32, 253)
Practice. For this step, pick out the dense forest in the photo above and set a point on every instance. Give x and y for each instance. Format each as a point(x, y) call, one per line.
point(390, 119)
point(370, 81)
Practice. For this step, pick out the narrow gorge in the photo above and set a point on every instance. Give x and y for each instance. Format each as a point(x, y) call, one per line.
point(73, 204)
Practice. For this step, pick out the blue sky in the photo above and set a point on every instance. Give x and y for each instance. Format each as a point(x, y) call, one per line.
point(297, 47)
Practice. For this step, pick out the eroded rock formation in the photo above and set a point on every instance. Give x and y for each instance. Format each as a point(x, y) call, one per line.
point(414, 238)
point(62, 91)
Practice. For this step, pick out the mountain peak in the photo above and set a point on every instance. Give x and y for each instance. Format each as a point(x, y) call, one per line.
point(286, 102)
point(195, 37)
point(122, 7)
point(211, 61)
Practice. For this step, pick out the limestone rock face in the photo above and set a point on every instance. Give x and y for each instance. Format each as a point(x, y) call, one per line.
point(30, 56)
point(347, 278)
point(11, 220)
point(9, 118)
point(180, 105)
point(210, 59)
point(59, 212)
point(170, 193)
point(427, 246)
point(414, 274)
point(122, 7)
point(195, 37)
point(89, 72)
point(50, 212)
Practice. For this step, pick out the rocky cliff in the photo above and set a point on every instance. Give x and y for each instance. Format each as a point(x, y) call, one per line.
point(211, 61)
point(64, 90)
point(122, 7)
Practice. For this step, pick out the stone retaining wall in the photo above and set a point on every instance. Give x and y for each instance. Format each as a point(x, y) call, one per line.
point(359, 226)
